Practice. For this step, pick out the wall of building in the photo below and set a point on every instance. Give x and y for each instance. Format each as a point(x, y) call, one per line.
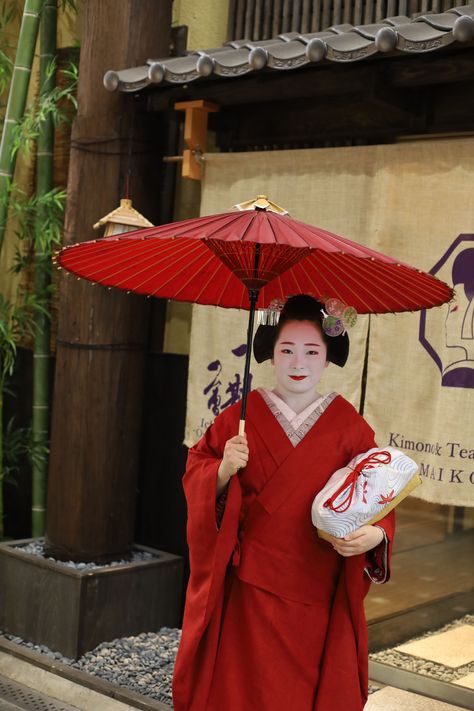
point(207, 27)
point(206, 20)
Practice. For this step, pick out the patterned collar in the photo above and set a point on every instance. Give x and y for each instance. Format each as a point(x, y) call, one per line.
point(305, 420)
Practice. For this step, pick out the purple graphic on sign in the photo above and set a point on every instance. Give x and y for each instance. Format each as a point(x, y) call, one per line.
point(451, 343)
point(233, 389)
point(213, 387)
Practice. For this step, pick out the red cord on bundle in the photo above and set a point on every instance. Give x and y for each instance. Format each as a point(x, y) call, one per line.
point(382, 457)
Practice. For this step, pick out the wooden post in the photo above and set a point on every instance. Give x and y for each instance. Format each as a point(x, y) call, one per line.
point(102, 334)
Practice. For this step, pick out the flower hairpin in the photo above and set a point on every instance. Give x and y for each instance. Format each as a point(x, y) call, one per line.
point(337, 317)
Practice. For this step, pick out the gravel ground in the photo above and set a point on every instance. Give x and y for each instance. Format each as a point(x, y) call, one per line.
point(143, 663)
point(37, 548)
point(423, 666)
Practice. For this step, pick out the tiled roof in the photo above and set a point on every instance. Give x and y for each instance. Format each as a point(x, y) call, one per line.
point(340, 43)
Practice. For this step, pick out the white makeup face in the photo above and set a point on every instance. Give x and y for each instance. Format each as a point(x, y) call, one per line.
point(299, 357)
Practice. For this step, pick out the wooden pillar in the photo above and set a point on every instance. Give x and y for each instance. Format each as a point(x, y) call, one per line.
point(102, 334)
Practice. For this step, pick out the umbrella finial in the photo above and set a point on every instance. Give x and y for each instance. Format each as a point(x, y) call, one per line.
point(261, 202)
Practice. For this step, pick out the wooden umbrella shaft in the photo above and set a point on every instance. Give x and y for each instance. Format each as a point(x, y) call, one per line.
point(253, 298)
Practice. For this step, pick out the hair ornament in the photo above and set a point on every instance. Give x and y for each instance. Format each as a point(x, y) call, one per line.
point(337, 317)
point(271, 315)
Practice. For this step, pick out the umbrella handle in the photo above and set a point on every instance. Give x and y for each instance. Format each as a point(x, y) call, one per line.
point(241, 427)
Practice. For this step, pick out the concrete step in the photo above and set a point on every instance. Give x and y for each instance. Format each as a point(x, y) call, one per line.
point(391, 699)
point(25, 685)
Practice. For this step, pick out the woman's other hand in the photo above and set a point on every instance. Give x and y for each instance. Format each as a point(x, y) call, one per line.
point(236, 456)
point(360, 541)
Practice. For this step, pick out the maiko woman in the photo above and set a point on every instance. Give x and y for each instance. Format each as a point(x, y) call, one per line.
point(274, 616)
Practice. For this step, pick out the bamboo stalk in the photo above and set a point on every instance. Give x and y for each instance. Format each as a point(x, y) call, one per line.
point(1, 460)
point(41, 356)
point(17, 98)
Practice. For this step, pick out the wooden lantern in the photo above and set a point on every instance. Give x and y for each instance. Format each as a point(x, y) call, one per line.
point(123, 219)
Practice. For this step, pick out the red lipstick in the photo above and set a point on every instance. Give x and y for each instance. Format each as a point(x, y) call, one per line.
point(297, 377)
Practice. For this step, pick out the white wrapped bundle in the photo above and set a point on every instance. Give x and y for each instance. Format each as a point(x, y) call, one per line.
point(362, 493)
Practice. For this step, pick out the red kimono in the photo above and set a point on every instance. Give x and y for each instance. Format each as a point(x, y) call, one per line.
point(274, 617)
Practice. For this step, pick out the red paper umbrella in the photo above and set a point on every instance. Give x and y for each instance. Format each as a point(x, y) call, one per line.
point(211, 260)
point(247, 258)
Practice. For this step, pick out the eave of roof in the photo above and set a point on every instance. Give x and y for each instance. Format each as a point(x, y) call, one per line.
point(339, 44)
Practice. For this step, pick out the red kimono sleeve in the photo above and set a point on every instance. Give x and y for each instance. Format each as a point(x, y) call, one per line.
point(200, 478)
point(205, 514)
point(210, 550)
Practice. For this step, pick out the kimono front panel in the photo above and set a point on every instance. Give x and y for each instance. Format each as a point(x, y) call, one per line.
point(279, 549)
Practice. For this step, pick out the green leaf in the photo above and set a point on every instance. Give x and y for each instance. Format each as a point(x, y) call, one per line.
point(18, 442)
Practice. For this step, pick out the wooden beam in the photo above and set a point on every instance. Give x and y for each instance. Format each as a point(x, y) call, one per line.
point(306, 122)
point(450, 68)
point(266, 86)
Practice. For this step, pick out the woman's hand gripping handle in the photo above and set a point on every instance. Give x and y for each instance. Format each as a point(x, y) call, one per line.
point(236, 456)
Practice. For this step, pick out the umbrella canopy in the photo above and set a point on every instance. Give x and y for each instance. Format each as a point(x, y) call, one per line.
point(217, 259)
point(247, 258)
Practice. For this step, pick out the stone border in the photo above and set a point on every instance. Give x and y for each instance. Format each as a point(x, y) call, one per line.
point(79, 677)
